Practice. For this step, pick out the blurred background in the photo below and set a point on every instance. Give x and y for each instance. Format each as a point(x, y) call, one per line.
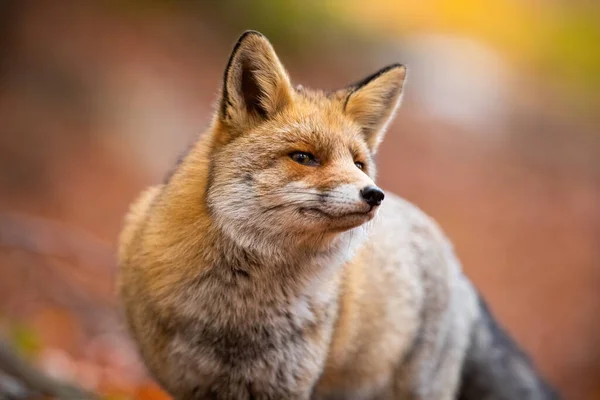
point(498, 139)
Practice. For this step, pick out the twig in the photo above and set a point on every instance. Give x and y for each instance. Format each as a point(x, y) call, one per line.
point(33, 380)
point(52, 238)
point(77, 263)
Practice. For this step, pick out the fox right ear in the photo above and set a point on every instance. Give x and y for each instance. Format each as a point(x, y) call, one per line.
point(256, 86)
point(373, 101)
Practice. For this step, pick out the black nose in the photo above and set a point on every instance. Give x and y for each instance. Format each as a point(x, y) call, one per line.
point(372, 195)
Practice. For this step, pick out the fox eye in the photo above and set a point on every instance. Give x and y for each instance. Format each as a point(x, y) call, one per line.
point(304, 158)
point(359, 165)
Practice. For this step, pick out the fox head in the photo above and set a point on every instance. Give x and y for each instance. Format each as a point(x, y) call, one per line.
point(290, 162)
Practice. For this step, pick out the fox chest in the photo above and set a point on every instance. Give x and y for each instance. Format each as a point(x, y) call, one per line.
point(279, 354)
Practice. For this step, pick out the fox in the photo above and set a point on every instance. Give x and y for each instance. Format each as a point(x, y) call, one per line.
point(270, 265)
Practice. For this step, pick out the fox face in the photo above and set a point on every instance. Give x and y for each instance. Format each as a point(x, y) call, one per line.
point(293, 163)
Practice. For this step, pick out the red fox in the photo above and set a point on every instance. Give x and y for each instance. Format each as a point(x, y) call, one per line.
point(269, 264)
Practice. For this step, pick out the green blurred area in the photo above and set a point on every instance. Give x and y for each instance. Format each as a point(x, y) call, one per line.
point(25, 340)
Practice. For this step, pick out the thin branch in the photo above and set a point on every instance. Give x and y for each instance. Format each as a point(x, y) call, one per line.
point(80, 265)
point(33, 380)
point(53, 238)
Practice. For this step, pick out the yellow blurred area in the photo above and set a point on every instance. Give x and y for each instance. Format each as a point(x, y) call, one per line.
point(559, 38)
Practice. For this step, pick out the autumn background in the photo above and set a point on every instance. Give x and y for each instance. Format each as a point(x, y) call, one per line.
point(498, 139)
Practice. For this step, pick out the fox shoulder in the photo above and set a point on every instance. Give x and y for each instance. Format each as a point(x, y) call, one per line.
point(138, 211)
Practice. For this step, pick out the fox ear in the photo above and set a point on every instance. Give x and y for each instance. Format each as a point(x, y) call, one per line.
point(256, 86)
point(373, 101)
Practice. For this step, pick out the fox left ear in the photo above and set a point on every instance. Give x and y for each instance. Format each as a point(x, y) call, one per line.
point(256, 85)
point(373, 101)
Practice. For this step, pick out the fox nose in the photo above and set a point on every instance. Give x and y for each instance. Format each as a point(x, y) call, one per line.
point(372, 195)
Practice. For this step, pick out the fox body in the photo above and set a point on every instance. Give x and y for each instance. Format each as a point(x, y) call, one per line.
point(270, 266)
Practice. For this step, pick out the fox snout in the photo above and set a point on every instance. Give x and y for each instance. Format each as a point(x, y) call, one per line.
point(350, 199)
point(372, 195)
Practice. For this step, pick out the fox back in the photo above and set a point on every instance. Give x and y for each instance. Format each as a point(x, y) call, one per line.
point(269, 264)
